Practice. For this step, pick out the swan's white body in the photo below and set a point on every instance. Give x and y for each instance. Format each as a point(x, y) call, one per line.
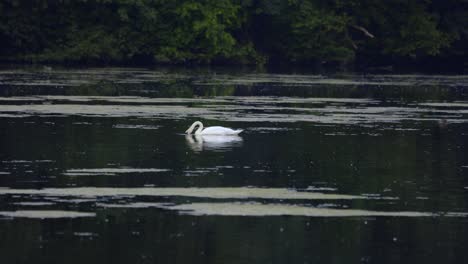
point(214, 130)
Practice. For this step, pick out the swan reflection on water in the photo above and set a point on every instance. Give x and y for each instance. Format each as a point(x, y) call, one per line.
point(213, 142)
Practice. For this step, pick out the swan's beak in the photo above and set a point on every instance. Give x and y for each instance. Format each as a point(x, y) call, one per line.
point(186, 131)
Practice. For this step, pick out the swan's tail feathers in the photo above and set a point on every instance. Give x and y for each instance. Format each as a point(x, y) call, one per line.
point(238, 131)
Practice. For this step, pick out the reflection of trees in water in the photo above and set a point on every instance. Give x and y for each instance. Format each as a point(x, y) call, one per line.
point(206, 87)
point(187, 84)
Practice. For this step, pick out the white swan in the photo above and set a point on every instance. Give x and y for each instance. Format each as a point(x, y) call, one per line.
point(214, 130)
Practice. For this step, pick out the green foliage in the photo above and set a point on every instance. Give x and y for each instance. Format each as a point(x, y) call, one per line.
point(201, 32)
point(414, 31)
point(318, 34)
point(230, 31)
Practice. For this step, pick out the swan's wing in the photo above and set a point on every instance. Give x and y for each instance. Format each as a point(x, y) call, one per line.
point(219, 130)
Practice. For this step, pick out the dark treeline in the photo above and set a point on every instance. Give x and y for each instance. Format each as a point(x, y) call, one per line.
point(313, 32)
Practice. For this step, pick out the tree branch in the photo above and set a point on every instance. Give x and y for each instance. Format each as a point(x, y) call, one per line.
point(363, 30)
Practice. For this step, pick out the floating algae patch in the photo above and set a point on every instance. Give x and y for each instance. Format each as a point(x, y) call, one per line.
point(14, 116)
point(85, 234)
point(248, 110)
point(20, 98)
point(34, 203)
point(259, 209)
point(271, 129)
point(57, 99)
point(214, 193)
point(109, 171)
point(314, 188)
point(75, 77)
point(128, 99)
point(451, 104)
point(133, 205)
point(297, 79)
point(78, 174)
point(116, 170)
point(344, 80)
point(104, 110)
point(43, 214)
point(456, 214)
point(295, 100)
point(135, 126)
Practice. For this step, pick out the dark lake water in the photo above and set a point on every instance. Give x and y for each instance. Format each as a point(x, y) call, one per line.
point(345, 168)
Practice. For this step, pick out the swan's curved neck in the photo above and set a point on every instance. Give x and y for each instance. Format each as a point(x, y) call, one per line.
point(200, 127)
point(192, 127)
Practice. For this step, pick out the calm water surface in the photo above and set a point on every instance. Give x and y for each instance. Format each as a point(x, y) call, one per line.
point(95, 168)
